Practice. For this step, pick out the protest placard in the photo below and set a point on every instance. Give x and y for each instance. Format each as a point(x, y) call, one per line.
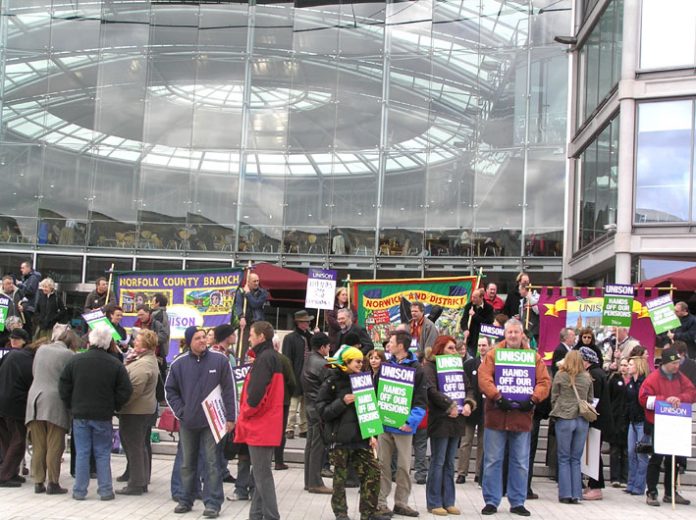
point(515, 373)
point(618, 305)
point(366, 405)
point(239, 375)
point(450, 378)
point(321, 289)
point(672, 434)
point(662, 314)
point(97, 317)
point(589, 464)
point(394, 394)
point(4, 306)
point(214, 410)
point(492, 331)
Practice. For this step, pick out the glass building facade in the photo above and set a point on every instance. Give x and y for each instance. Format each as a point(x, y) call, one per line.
point(411, 136)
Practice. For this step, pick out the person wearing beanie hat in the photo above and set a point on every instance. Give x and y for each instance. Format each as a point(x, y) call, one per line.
point(193, 375)
point(336, 407)
point(670, 385)
point(605, 421)
point(313, 375)
point(225, 340)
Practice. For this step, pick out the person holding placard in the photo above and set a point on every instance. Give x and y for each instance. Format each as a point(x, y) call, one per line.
point(401, 365)
point(637, 462)
point(514, 380)
point(570, 384)
point(450, 401)
point(666, 384)
point(335, 404)
point(477, 312)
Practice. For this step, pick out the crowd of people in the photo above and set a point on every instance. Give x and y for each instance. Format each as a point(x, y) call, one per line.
point(53, 381)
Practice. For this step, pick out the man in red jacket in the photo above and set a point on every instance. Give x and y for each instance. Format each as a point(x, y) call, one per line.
point(664, 384)
point(260, 421)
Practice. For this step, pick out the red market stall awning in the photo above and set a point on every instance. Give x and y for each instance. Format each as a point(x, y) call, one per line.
point(282, 284)
point(682, 281)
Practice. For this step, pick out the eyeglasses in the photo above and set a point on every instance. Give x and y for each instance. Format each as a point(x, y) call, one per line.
point(586, 337)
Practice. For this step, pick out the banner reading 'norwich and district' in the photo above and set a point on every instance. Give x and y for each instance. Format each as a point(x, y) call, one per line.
point(379, 302)
point(200, 298)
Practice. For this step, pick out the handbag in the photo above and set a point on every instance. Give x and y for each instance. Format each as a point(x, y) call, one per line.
point(645, 444)
point(168, 421)
point(587, 411)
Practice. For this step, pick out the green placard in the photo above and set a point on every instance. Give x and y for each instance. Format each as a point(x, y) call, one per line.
point(3, 314)
point(97, 317)
point(618, 304)
point(366, 405)
point(395, 393)
point(662, 314)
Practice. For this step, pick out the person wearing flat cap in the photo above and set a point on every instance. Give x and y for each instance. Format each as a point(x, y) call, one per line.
point(605, 421)
point(296, 349)
point(665, 384)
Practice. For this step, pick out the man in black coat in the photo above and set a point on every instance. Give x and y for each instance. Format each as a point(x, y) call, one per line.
point(345, 320)
point(567, 343)
point(686, 332)
point(296, 349)
point(28, 289)
point(476, 312)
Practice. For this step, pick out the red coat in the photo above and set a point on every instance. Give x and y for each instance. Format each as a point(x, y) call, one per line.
point(657, 387)
point(260, 419)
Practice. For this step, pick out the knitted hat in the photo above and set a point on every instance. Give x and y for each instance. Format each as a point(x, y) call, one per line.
point(189, 333)
point(223, 332)
point(319, 340)
point(589, 355)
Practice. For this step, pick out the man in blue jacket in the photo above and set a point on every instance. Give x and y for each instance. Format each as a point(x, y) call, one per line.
point(401, 439)
point(192, 376)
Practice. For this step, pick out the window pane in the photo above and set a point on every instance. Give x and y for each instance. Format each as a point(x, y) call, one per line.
point(99, 266)
point(668, 35)
point(63, 269)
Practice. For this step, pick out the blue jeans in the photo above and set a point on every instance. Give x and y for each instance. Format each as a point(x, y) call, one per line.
point(439, 491)
point(92, 436)
point(176, 487)
point(637, 462)
point(570, 442)
point(192, 443)
point(494, 442)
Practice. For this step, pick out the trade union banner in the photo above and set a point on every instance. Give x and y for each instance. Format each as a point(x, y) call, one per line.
point(380, 303)
point(200, 298)
point(576, 308)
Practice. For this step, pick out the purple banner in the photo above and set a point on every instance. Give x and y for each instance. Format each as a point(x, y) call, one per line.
point(200, 298)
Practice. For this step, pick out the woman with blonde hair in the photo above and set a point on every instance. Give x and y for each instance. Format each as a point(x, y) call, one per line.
point(571, 383)
point(637, 462)
point(135, 419)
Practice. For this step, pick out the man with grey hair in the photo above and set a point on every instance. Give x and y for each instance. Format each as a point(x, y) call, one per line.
point(686, 332)
point(345, 321)
point(93, 386)
point(567, 337)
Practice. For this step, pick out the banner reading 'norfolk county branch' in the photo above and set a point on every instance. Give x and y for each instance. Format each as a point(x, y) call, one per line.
point(379, 302)
point(200, 298)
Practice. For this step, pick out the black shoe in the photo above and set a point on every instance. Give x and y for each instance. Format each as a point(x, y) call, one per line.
point(326, 473)
point(211, 513)
point(9, 484)
point(565, 500)
point(489, 510)
point(122, 478)
point(405, 511)
point(476, 479)
point(281, 466)
point(39, 488)
point(303, 435)
point(229, 479)
point(420, 481)
point(520, 510)
point(93, 475)
point(55, 489)
point(651, 499)
point(182, 508)
point(678, 499)
point(130, 491)
point(531, 495)
point(105, 498)
point(19, 479)
point(461, 479)
point(385, 512)
point(290, 435)
point(377, 516)
point(352, 483)
point(342, 516)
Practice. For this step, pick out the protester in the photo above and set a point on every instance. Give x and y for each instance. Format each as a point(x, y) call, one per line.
point(8, 295)
point(28, 289)
point(114, 314)
point(192, 377)
point(145, 321)
point(512, 302)
point(529, 313)
point(15, 381)
point(296, 349)
point(686, 332)
point(96, 299)
point(10, 290)
point(345, 320)
point(635, 414)
point(47, 418)
point(261, 418)
point(508, 425)
point(374, 358)
point(400, 439)
point(477, 312)
point(587, 339)
point(687, 366)
point(446, 424)
point(618, 459)
point(665, 384)
point(335, 404)
point(93, 386)
point(604, 422)
point(249, 305)
point(491, 297)
point(567, 337)
point(135, 419)
point(473, 424)
point(334, 328)
point(571, 383)
point(50, 309)
point(624, 343)
point(159, 313)
point(290, 384)
point(423, 331)
point(313, 375)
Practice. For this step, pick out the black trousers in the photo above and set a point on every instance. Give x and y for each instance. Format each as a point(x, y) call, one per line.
point(279, 452)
